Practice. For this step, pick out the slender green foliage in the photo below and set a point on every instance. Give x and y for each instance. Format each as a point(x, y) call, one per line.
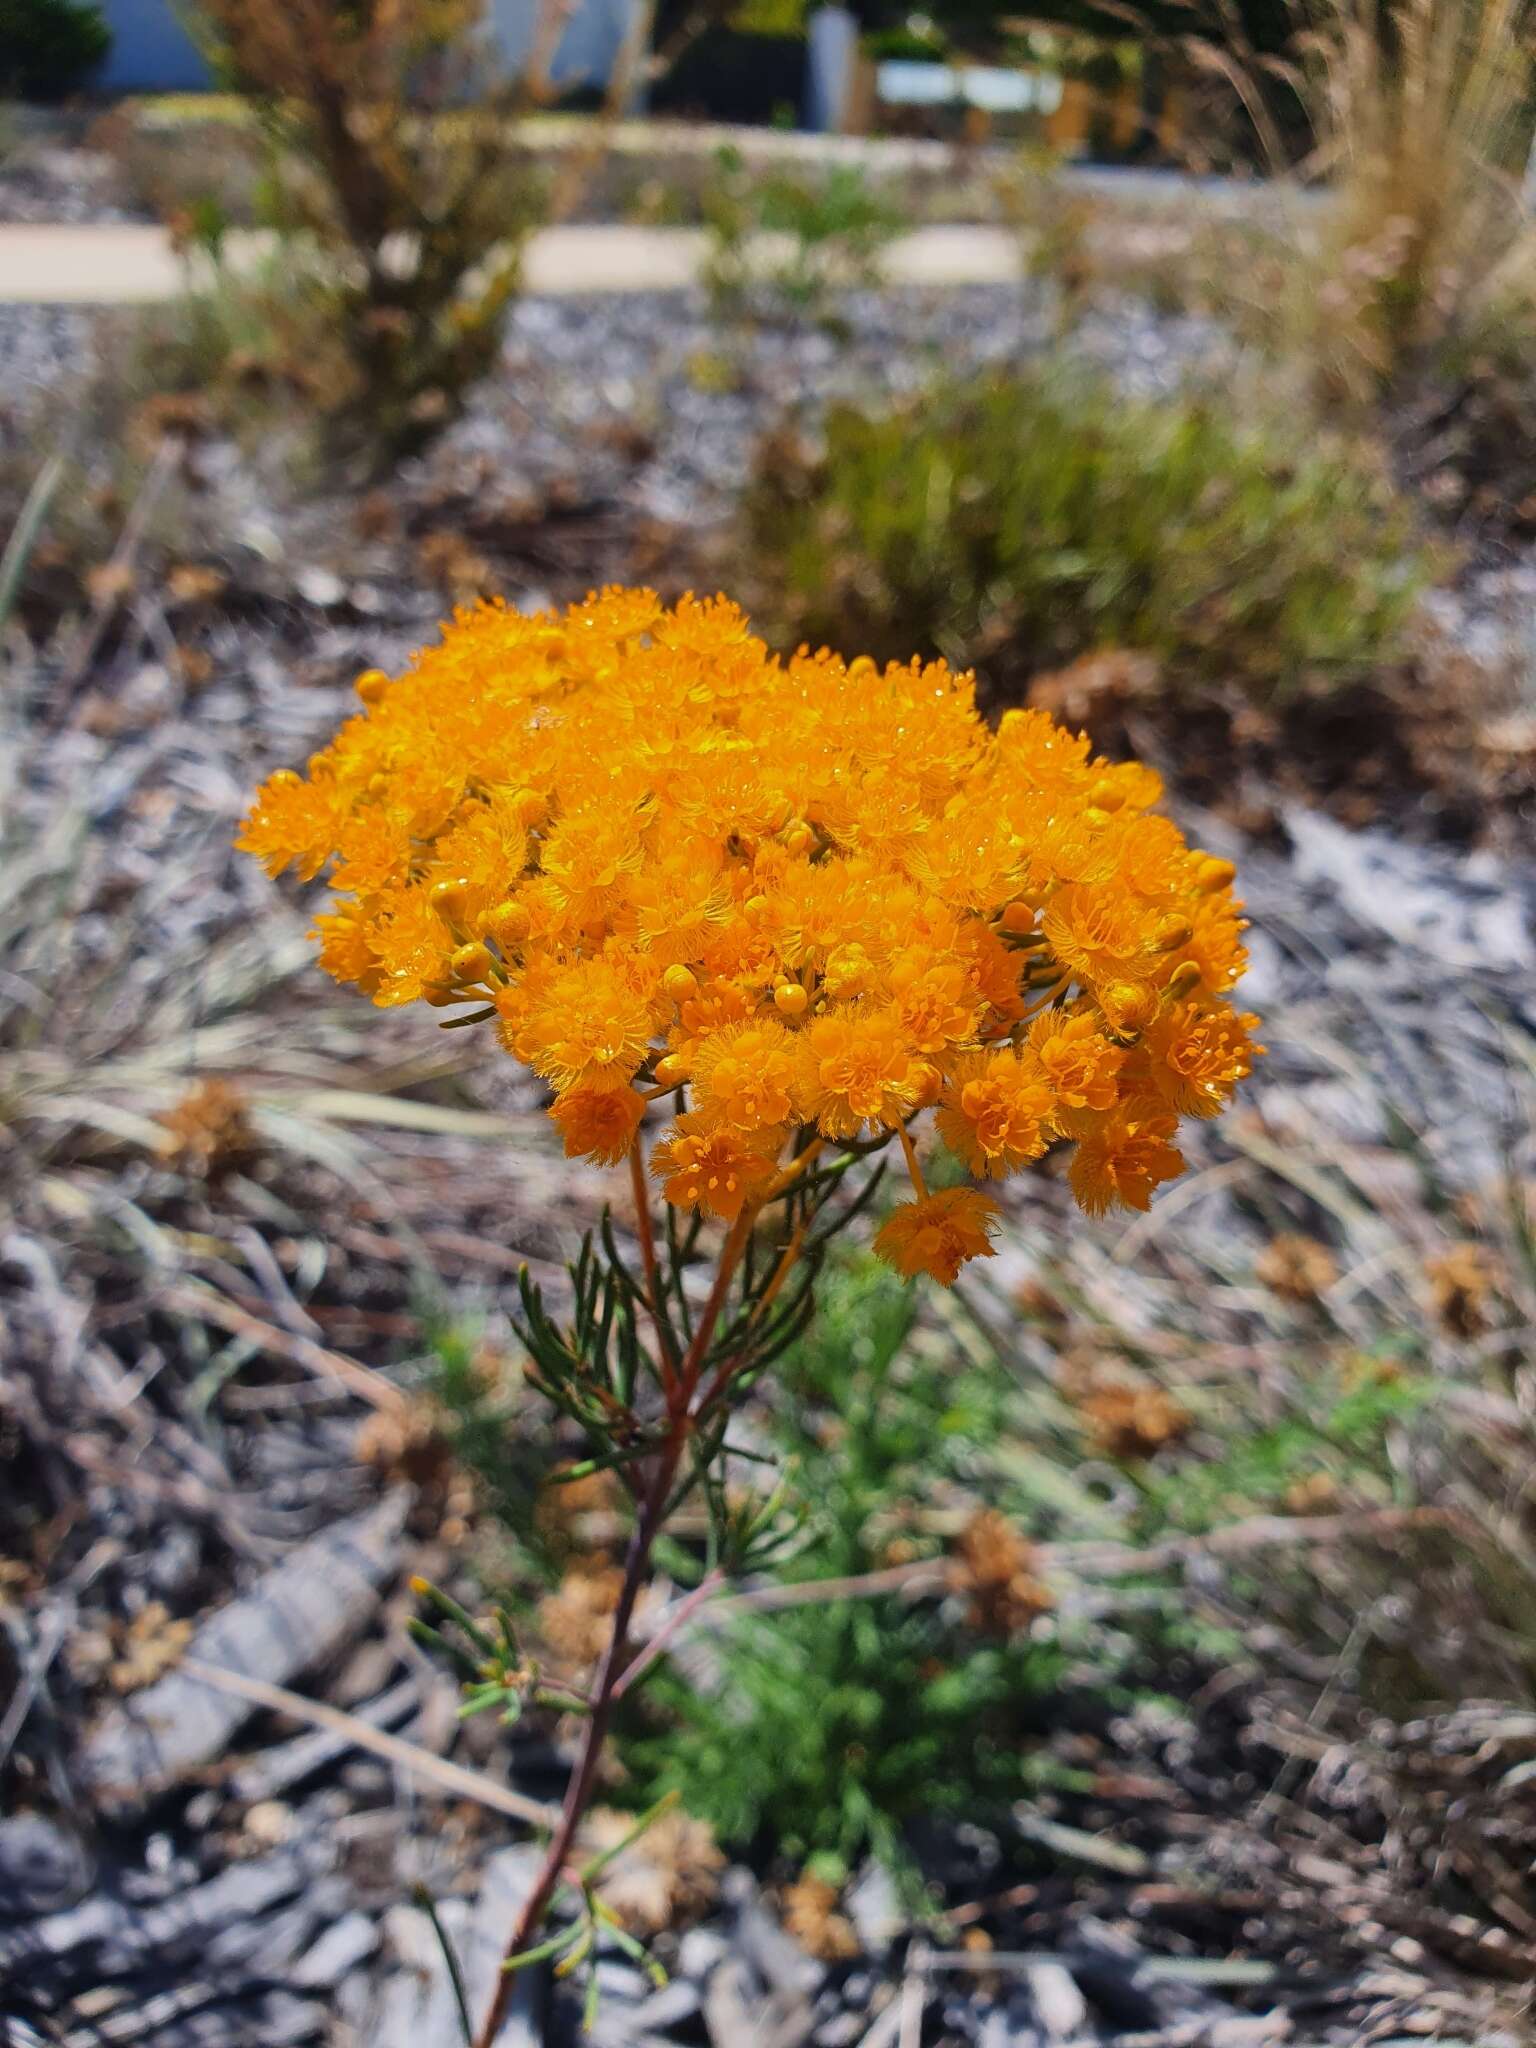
point(1018, 522)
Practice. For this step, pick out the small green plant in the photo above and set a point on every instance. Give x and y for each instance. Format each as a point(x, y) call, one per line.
point(1022, 521)
point(781, 245)
point(48, 47)
point(839, 1720)
point(1331, 1445)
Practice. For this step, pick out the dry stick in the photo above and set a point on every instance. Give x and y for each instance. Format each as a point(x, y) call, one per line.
point(300, 1351)
point(671, 1622)
point(394, 1749)
point(926, 1575)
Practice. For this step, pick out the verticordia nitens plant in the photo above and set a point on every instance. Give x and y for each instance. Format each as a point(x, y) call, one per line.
point(749, 919)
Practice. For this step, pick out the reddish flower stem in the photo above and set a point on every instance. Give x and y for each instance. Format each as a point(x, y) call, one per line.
point(605, 1694)
point(681, 1383)
point(646, 1234)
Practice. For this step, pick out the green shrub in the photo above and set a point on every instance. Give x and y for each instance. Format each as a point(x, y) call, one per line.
point(1020, 522)
point(780, 244)
point(48, 47)
point(841, 1720)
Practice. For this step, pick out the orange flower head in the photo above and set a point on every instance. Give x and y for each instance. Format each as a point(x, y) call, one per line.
point(801, 895)
point(994, 1112)
point(708, 1166)
point(938, 1234)
point(1199, 1054)
point(747, 1075)
point(1077, 1062)
point(598, 1120)
point(861, 1069)
point(1124, 1161)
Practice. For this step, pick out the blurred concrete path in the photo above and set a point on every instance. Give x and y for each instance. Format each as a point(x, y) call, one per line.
point(121, 266)
point(136, 265)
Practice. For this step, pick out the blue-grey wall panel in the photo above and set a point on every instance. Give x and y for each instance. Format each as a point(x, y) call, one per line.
point(151, 51)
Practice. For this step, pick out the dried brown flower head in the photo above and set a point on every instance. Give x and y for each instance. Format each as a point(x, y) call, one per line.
point(568, 1509)
point(1297, 1267)
point(574, 1619)
point(150, 1645)
point(1316, 1493)
point(1133, 1422)
point(208, 1133)
point(991, 1567)
point(1463, 1283)
point(195, 583)
point(811, 1915)
point(406, 1442)
point(668, 1875)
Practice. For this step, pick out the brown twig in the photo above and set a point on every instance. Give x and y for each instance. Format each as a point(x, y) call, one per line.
point(301, 1351)
point(654, 1499)
point(926, 1575)
point(674, 1619)
point(450, 1777)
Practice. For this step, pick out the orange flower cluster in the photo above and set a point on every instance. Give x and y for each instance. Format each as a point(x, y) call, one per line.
point(805, 896)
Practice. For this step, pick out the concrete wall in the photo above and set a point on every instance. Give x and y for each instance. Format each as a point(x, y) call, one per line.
point(152, 52)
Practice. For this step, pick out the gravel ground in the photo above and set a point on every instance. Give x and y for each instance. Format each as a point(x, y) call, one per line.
point(41, 349)
point(49, 183)
point(580, 371)
point(642, 403)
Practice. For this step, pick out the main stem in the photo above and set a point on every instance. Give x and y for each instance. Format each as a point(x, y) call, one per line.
point(681, 1389)
point(579, 1790)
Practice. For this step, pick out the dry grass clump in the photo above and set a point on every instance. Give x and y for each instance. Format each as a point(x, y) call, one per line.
point(1422, 109)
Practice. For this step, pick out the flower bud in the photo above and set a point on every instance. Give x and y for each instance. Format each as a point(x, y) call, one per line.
point(671, 1069)
point(509, 924)
point(371, 686)
point(470, 963)
point(680, 983)
point(847, 971)
point(1171, 934)
point(1018, 919)
point(1183, 981)
point(1213, 874)
point(928, 1085)
point(450, 899)
point(790, 999)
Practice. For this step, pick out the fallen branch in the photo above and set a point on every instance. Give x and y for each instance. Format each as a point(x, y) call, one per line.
point(449, 1777)
point(924, 1576)
point(303, 1352)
